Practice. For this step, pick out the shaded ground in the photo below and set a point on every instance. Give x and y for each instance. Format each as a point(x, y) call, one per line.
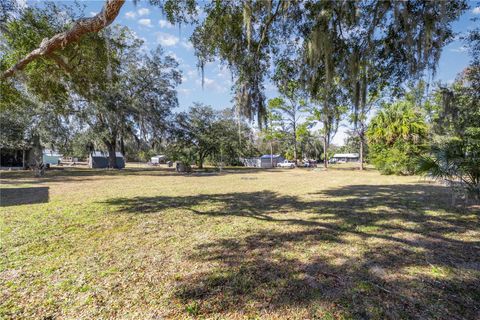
point(19, 196)
point(296, 244)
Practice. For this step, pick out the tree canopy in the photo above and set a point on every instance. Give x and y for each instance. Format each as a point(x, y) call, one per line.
point(396, 40)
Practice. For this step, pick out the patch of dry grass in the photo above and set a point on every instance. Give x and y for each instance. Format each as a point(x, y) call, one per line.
point(297, 244)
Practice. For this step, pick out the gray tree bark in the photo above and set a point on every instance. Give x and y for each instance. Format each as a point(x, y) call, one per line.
point(112, 157)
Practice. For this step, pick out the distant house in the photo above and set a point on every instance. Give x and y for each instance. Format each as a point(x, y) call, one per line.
point(345, 157)
point(251, 162)
point(158, 159)
point(267, 160)
point(263, 161)
point(51, 157)
point(99, 159)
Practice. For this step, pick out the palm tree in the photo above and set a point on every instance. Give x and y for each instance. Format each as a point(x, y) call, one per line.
point(396, 136)
point(452, 164)
point(397, 121)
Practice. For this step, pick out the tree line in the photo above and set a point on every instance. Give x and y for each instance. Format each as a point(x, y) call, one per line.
point(332, 60)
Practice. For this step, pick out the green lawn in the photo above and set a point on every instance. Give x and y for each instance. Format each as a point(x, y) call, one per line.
point(243, 244)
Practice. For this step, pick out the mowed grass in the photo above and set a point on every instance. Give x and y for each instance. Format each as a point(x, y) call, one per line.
point(146, 243)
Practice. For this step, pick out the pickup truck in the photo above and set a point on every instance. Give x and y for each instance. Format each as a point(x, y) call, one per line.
point(286, 164)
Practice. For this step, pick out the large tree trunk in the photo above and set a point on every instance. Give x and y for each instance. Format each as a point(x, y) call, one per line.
point(325, 149)
point(36, 157)
point(24, 165)
point(295, 151)
point(295, 143)
point(200, 163)
point(363, 104)
point(107, 15)
point(361, 151)
point(112, 158)
point(271, 154)
point(122, 146)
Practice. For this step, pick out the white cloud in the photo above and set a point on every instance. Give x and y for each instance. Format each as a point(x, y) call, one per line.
point(93, 13)
point(211, 84)
point(459, 49)
point(130, 15)
point(143, 11)
point(476, 10)
point(166, 39)
point(192, 73)
point(145, 22)
point(165, 24)
point(184, 91)
point(187, 45)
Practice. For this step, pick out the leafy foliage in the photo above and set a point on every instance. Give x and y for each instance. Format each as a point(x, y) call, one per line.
point(397, 136)
point(136, 95)
point(328, 111)
point(290, 111)
point(449, 161)
point(455, 153)
point(205, 134)
point(121, 94)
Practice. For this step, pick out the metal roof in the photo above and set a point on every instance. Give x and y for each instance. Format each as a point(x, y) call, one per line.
point(267, 156)
point(105, 154)
point(346, 155)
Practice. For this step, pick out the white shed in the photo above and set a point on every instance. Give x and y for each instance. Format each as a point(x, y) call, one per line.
point(158, 159)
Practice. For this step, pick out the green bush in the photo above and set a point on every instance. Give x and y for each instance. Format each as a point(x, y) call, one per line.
point(396, 137)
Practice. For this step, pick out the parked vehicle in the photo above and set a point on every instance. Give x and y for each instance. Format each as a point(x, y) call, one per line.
point(309, 163)
point(286, 164)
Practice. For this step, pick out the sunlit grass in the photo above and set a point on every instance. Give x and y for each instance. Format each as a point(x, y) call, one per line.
point(150, 243)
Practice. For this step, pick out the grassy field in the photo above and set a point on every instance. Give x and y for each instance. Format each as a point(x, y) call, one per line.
point(146, 243)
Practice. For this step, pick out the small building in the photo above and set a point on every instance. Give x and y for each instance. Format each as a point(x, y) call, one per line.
point(263, 161)
point(50, 157)
point(250, 162)
point(158, 159)
point(99, 159)
point(345, 157)
point(267, 160)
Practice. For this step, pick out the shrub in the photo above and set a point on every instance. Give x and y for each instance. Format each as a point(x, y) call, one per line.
point(396, 137)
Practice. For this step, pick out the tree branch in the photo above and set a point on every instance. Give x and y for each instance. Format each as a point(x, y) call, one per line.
point(81, 27)
point(267, 25)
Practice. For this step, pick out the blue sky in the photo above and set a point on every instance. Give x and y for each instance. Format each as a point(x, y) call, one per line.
point(150, 25)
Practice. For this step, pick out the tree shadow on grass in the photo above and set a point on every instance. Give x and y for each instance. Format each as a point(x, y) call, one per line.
point(19, 196)
point(379, 251)
point(248, 272)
